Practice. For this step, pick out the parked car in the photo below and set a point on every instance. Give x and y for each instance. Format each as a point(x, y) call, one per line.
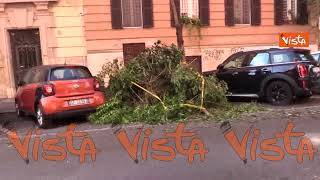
point(278, 75)
point(56, 91)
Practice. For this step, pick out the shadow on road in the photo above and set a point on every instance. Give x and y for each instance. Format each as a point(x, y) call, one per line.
point(12, 122)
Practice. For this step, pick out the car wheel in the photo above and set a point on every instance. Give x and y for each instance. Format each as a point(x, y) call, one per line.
point(279, 93)
point(42, 120)
point(18, 111)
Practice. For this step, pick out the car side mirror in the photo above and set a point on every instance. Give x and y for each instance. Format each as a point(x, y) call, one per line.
point(21, 83)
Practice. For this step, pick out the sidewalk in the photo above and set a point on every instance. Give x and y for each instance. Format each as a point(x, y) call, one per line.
point(7, 105)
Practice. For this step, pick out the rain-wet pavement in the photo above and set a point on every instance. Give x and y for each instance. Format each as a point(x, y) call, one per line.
point(221, 161)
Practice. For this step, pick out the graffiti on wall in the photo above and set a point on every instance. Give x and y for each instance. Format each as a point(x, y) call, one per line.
point(236, 50)
point(214, 54)
point(218, 55)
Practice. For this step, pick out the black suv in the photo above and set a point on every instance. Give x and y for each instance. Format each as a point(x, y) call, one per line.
point(278, 75)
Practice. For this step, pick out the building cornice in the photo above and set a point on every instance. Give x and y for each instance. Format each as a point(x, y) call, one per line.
point(40, 4)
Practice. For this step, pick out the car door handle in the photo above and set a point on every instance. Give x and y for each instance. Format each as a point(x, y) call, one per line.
point(252, 72)
point(235, 73)
point(265, 70)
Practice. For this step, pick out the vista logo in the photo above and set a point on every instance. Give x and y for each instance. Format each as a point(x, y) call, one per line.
point(294, 40)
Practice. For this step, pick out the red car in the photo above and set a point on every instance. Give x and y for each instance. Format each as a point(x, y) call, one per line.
point(56, 91)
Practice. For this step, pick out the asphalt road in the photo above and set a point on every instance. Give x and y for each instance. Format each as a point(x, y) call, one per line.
point(221, 162)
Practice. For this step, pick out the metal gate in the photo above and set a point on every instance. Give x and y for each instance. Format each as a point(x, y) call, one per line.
point(25, 51)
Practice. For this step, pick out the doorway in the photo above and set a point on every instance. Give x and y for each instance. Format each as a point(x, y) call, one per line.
point(25, 51)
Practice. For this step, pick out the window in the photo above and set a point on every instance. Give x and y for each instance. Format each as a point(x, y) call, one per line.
point(279, 58)
point(28, 76)
point(304, 56)
point(132, 13)
point(194, 9)
point(71, 73)
point(316, 56)
point(291, 57)
point(40, 76)
point(35, 76)
point(189, 8)
point(236, 62)
point(260, 59)
point(242, 11)
point(291, 12)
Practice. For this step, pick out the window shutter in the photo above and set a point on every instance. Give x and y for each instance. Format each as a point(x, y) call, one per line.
point(255, 12)
point(229, 12)
point(204, 12)
point(116, 14)
point(278, 12)
point(302, 15)
point(177, 2)
point(147, 9)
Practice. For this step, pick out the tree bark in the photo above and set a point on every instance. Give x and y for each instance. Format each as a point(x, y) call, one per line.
point(178, 25)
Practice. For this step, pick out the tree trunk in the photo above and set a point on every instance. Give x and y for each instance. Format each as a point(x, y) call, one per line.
point(178, 25)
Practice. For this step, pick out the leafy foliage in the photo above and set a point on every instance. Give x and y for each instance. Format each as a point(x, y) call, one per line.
point(109, 69)
point(166, 85)
point(152, 70)
point(187, 83)
point(115, 112)
point(192, 23)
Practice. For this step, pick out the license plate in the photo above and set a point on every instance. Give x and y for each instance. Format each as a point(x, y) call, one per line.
point(78, 102)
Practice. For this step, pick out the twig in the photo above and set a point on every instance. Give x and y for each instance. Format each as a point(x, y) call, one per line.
point(204, 110)
point(152, 94)
point(137, 95)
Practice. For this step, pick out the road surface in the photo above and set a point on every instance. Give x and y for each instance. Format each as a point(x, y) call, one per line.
point(221, 162)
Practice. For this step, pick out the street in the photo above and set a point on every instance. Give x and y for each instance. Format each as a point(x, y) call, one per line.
point(221, 161)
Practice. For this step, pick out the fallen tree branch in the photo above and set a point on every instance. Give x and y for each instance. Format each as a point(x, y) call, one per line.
point(152, 94)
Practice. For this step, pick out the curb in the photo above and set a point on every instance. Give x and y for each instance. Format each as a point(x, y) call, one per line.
point(7, 106)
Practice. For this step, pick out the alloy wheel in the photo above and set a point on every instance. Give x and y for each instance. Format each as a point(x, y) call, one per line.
point(278, 93)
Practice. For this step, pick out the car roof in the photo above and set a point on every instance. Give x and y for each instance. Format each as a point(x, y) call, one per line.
point(53, 66)
point(318, 52)
point(275, 50)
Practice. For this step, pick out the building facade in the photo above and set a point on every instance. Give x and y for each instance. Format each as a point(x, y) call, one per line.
point(119, 28)
point(34, 32)
point(93, 32)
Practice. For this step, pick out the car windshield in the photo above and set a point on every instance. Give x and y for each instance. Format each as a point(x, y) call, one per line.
point(70, 73)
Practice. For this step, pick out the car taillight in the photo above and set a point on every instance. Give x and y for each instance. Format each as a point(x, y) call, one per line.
point(48, 89)
point(96, 85)
point(302, 70)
